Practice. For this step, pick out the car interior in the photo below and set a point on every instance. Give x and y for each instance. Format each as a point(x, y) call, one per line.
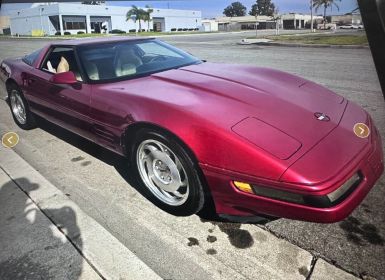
point(111, 63)
point(62, 60)
point(124, 60)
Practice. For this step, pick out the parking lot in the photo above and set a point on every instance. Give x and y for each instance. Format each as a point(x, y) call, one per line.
point(96, 180)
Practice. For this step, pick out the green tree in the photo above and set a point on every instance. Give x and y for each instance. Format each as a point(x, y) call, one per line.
point(147, 15)
point(236, 9)
point(263, 8)
point(136, 14)
point(325, 4)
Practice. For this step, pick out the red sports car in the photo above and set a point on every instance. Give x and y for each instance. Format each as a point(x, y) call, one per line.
point(254, 140)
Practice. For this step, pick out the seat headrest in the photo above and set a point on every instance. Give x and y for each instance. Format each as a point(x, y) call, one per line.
point(63, 66)
point(125, 70)
point(92, 70)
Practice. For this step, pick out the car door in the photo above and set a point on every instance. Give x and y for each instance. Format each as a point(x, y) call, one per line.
point(65, 105)
point(108, 108)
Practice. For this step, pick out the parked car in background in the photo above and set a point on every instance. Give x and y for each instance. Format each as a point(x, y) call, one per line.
point(328, 26)
point(351, 26)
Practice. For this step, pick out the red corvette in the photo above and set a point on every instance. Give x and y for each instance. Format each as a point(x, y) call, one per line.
point(257, 140)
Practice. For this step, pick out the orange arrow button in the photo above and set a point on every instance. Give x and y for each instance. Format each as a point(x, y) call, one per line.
point(10, 139)
point(361, 130)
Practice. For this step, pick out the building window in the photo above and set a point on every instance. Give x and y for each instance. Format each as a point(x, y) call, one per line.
point(72, 25)
point(74, 22)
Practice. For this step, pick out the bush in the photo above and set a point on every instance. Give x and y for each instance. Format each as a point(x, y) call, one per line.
point(80, 32)
point(132, 30)
point(57, 33)
point(196, 29)
point(151, 30)
point(191, 29)
point(67, 33)
point(185, 29)
point(173, 29)
point(180, 29)
point(117, 31)
point(143, 30)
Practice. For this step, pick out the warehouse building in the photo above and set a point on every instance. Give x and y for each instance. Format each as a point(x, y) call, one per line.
point(283, 21)
point(245, 23)
point(350, 18)
point(57, 18)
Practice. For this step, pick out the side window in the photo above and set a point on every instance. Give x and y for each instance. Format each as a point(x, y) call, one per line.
point(61, 59)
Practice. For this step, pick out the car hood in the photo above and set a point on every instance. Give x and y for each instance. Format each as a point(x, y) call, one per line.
point(287, 103)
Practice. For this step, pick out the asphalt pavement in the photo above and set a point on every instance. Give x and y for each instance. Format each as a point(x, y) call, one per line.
point(95, 180)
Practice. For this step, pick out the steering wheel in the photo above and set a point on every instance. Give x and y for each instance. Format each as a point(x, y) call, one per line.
point(158, 58)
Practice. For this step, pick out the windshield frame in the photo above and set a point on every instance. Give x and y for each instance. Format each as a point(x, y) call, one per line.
point(78, 49)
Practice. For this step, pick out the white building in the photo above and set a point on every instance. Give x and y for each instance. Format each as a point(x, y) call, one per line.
point(209, 25)
point(64, 17)
point(245, 23)
point(298, 21)
point(285, 21)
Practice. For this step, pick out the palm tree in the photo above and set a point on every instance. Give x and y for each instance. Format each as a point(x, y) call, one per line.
point(147, 16)
point(325, 4)
point(136, 13)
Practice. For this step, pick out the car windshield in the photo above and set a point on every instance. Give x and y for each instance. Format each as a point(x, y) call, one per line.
point(130, 59)
point(31, 58)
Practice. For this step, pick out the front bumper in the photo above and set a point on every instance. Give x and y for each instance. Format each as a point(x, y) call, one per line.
point(231, 201)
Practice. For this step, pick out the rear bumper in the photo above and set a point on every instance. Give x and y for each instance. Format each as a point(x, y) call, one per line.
point(231, 201)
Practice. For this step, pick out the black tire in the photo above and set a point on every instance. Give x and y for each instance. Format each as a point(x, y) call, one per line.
point(30, 122)
point(196, 196)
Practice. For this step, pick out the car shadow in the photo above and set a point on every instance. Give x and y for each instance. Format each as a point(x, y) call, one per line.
point(122, 166)
point(31, 246)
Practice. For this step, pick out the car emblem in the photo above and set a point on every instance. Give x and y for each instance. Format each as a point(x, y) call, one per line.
point(361, 130)
point(322, 117)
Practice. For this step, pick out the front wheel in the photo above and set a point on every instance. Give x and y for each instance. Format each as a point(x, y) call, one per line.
point(167, 173)
point(20, 110)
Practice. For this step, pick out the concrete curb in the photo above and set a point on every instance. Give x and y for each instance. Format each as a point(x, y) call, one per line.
point(110, 258)
point(31, 244)
point(277, 44)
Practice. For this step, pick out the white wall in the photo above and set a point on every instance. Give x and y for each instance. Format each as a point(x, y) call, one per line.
point(24, 21)
point(209, 26)
point(179, 18)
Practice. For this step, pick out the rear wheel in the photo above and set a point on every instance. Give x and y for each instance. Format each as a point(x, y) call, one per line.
point(167, 173)
point(19, 109)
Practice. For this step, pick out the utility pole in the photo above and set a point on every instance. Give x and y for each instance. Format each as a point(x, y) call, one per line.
point(41, 19)
point(311, 16)
point(256, 25)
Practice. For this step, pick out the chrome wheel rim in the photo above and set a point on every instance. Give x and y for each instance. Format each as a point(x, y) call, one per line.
point(162, 172)
point(18, 107)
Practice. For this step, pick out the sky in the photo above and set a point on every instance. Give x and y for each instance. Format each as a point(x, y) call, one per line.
point(214, 8)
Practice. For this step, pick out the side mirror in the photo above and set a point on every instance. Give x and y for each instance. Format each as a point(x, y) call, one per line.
point(64, 78)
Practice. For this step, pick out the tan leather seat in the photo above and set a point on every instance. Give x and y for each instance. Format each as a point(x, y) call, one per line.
point(63, 66)
point(92, 70)
point(126, 63)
